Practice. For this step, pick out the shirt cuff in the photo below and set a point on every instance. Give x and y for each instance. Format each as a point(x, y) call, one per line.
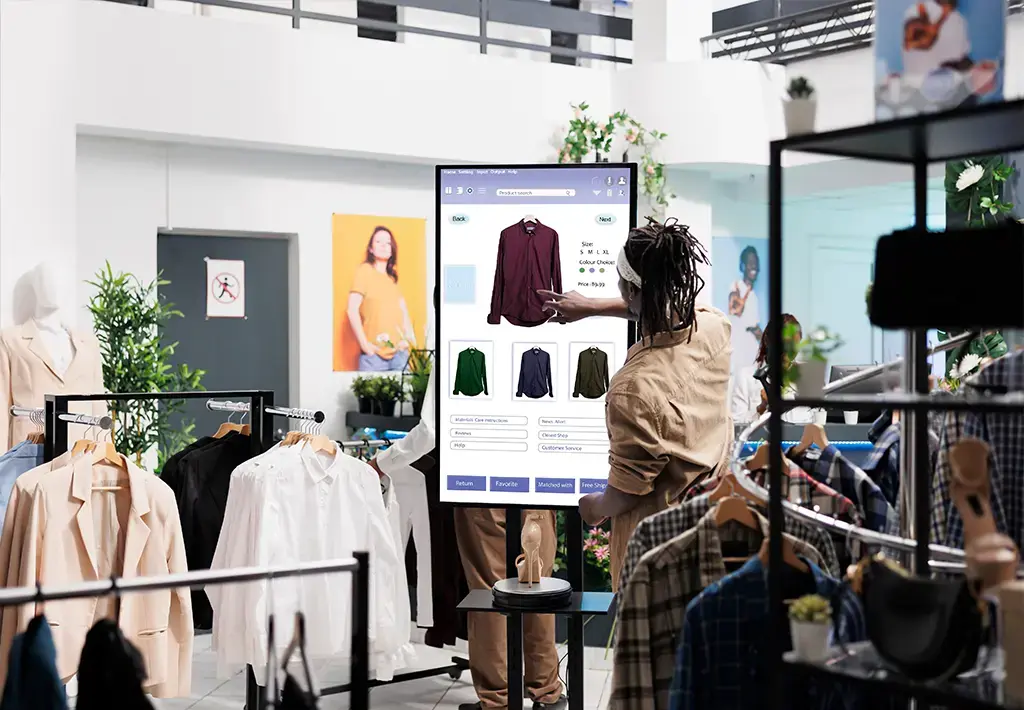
point(494, 319)
point(629, 482)
point(385, 459)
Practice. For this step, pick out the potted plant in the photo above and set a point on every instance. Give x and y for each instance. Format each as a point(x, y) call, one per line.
point(418, 378)
point(808, 359)
point(365, 390)
point(810, 622)
point(388, 391)
point(801, 108)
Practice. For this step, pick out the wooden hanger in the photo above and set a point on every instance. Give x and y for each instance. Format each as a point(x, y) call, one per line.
point(226, 428)
point(292, 438)
point(728, 486)
point(319, 442)
point(813, 434)
point(82, 446)
point(789, 556)
point(106, 452)
point(760, 459)
point(36, 437)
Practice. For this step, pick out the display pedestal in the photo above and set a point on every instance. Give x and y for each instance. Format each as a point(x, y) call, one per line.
point(580, 605)
point(548, 593)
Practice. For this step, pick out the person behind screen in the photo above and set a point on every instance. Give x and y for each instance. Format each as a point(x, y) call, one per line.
point(749, 398)
point(744, 309)
point(666, 408)
point(377, 311)
point(480, 534)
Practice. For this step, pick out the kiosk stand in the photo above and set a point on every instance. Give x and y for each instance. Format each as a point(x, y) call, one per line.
point(583, 604)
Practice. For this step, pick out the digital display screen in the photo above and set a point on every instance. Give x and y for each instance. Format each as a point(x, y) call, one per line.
point(521, 417)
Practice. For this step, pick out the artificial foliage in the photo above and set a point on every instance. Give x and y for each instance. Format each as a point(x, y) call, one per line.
point(812, 609)
point(129, 318)
point(800, 88)
point(975, 188)
point(588, 136)
point(990, 346)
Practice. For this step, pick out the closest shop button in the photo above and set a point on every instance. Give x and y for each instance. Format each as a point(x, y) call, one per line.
point(515, 485)
point(467, 483)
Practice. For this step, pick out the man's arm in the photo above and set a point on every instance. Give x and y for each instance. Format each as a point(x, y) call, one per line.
point(418, 443)
point(573, 306)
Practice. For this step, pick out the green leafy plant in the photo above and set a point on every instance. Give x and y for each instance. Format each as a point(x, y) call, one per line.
point(389, 389)
point(817, 346)
point(964, 360)
point(800, 88)
point(129, 319)
point(418, 376)
point(587, 135)
point(364, 387)
point(811, 609)
point(975, 188)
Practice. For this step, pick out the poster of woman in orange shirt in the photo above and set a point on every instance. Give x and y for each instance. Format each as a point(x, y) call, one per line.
point(379, 291)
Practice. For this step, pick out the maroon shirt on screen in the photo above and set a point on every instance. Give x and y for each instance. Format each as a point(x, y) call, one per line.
point(527, 261)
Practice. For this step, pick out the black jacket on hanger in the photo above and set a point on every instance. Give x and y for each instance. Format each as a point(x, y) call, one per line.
point(32, 679)
point(111, 671)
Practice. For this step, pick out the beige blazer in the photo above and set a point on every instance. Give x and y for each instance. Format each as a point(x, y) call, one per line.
point(27, 375)
point(59, 548)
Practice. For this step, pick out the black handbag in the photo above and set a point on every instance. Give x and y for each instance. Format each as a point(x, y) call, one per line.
point(927, 629)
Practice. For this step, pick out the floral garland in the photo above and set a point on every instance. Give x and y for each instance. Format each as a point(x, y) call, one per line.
point(975, 188)
point(587, 136)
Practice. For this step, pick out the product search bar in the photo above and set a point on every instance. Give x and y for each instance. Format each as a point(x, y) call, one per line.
point(535, 192)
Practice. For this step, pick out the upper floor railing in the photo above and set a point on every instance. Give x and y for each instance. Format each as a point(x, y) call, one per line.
point(555, 28)
point(804, 35)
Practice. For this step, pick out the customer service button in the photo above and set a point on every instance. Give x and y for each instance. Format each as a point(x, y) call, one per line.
point(573, 449)
point(512, 485)
point(592, 485)
point(467, 483)
point(554, 485)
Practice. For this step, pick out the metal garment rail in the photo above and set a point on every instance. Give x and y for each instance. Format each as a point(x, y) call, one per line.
point(38, 416)
point(312, 415)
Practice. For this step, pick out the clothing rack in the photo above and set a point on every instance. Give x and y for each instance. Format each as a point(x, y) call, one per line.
point(312, 415)
point(38, 417)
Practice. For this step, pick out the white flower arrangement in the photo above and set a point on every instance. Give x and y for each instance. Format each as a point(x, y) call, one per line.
point(968, 364)
point(969, 176)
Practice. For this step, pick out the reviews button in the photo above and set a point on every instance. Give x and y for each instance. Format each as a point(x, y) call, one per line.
point(605, 218)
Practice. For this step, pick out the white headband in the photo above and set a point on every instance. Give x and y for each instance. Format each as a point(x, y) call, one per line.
point(626, 271)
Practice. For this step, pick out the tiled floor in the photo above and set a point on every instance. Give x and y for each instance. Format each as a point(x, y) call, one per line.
point(441, 692)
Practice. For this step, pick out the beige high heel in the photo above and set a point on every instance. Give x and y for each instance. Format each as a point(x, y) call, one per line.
point(529, 564)
point(992, 557)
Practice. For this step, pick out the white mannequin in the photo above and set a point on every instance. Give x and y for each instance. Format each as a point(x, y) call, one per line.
point(52, 331)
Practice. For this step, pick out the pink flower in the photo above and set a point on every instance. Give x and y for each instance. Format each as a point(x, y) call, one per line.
point(631, 137)
point(577, 112)
point(563, 158)
point(650, 170)
point(601, 554)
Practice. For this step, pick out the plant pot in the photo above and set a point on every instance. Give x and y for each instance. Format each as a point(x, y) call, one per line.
point(810, 381)
point(810, 640)
point(800, 115)
point(365, 405)
point(384, 409)
point(417, 406)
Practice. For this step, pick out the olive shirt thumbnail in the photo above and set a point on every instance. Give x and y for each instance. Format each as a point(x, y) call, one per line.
point(591, 373)
point(470, 373)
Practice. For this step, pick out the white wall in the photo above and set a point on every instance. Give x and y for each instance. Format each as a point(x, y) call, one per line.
point(128, 190)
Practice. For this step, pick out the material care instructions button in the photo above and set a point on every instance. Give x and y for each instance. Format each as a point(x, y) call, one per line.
point(514, 485)
point(592, 485)
point(554, 485)
point(467, 483)
point(489, 419)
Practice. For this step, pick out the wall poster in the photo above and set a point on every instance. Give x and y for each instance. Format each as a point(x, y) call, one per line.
point(739, 288)
point(380, 291)
point(935, 55)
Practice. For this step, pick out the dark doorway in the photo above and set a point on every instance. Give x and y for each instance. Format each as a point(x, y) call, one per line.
point(249, 353)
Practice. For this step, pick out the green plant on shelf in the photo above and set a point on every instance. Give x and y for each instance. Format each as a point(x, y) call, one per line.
point(816, 346)
point(389, 389)
point(418, 376)
point(800, 88)
point(811, 609)
point(129, 318)
point(976, 187)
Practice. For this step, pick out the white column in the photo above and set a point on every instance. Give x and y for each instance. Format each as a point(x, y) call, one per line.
point(37, 148)
point(692, 207)
point(670, 30)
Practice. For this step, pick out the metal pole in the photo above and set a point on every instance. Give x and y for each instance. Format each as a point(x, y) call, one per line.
point(359, 698)
point(513, 619)
point(296, 13)
point(484, 12)
point(776, 627)
point(574, 559)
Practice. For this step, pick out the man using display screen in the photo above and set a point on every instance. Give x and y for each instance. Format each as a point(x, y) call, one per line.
point(666, 408)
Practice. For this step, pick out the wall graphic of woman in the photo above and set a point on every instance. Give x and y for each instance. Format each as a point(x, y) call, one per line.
point(744, 309)
point(377, 310)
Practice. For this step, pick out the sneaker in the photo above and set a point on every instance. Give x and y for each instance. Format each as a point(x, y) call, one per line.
point(471, 706)
point(561, 704)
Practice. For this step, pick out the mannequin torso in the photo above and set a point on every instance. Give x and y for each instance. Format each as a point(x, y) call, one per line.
point(57, 341)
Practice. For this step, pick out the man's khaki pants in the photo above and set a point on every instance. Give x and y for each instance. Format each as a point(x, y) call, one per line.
point(481, 537)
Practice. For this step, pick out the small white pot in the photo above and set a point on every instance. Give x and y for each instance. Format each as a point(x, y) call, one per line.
point(810, 381)
point(851, 417)
point(800, 115)
point(819, 416)
point(810, 640)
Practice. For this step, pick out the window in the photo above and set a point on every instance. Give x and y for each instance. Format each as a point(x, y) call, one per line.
point(565, 39)
point(366, 10)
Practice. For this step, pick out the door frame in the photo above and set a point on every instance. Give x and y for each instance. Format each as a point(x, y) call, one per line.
point(293, 287)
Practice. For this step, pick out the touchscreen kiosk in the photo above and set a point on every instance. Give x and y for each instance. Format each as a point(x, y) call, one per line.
point(521, 396)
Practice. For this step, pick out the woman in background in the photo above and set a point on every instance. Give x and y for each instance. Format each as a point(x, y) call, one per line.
point(376, 308)
point(749, 398)
point(744, 310)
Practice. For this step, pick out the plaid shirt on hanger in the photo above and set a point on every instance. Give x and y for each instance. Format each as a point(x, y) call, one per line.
point(800, 489)
point(649, 620)
point(840, 474)
point(661, 527)
point(882, 464)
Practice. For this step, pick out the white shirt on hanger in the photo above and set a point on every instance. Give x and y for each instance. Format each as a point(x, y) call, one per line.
point(292, 505)
point(417, 443)
point(57, 340)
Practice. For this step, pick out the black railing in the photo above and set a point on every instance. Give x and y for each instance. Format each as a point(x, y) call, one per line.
point(534, 14)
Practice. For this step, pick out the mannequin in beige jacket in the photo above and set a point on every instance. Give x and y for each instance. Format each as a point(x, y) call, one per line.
point(43, 356)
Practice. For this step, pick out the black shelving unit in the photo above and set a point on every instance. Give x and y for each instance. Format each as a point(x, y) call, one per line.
point(356, 420)
point(917, 142)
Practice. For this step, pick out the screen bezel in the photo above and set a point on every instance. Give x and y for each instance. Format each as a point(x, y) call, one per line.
point(630, 325)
